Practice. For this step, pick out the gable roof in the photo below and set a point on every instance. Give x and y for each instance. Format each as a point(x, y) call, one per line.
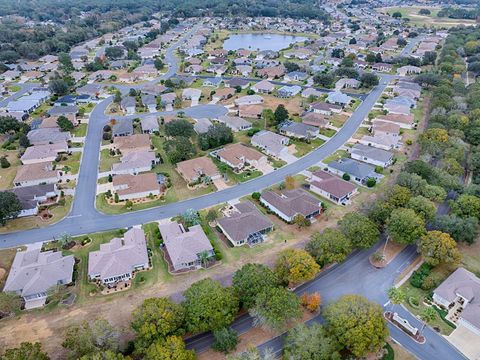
point(332, 184)
point(353, 167)
point(372, 152)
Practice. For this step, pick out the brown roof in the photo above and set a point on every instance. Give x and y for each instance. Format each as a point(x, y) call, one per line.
point(292, 202)
point(136, 183)
point(332, 184)
point(250, 110)
point(224, 92)
point(237, 154)
point(193, 168)
point(385, 126)
point(315, 119)
point(35, 171)
point(132, 142)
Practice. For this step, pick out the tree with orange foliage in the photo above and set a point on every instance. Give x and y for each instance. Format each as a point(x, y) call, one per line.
point(311, 302)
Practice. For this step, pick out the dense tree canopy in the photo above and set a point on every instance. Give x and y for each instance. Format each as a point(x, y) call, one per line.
point(404, 226)
point(437, 247)
point(311, 343)
point(357, 324)
point(358, 228)
point(10, 206)
point(329, 246)
point(295, 266)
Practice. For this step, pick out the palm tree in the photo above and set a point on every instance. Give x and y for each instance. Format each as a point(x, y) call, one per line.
point(396, 296)
point(428, 315)
point(204, 257)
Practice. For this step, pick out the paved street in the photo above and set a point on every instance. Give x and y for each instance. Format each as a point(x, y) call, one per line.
point(84, 218)
point(357, 276)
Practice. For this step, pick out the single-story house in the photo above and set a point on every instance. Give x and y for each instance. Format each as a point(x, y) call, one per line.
point(244, 224)
point(381, 141)
point(128, 104)
point(235, 123)
point(191, 94)
point(130, 187)
point(215, 82)
point(288, 91)
point(372, 155)
point(459, 294)
point(202, 125)
point(43, 153)
point(30, 197)
point(34, 273)
point(36, 174)
point(272, 144)
point(263, 87)
point(135, 162)
point(223, 94)
point(47, 136)
point(249, 100)
point(359, 171)
point(237, 82)
point(332, 187)
point(132, 143)
point(338, 98)
point(290, 203)
point(194, 169)
point(311, 92)
point(315, 119)
point(238, 155)
point(119, 259)
point(298, 130)
point(150, 102)
point(149, 124)
point(380, 127)
point(122, 127)
point(250, 111)
point(186, 248)
point(325, 108)
point(295, 76)
point(405, 121)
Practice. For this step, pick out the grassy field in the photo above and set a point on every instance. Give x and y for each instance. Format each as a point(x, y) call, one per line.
point(337, 155)
point(415, 19)
point(6, 260)
point(31, 222)
point(106, 160)
point(80, 130)
point(302, 148)
point(71, 165)
point(7, 175)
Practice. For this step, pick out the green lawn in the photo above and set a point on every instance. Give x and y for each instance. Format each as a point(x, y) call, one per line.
point(80, 130)
point(31, 222)
point(327, 132)
point(419, 295)
point(71, 165)
point(14, 88)
point(106, 160)
point(337, 155)
point(303, 148)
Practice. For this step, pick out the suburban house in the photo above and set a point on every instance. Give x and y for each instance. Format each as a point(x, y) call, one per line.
point(311, 92)
point(235, 123)
point(150, 102)
point(272, 144)
point(43, 153)
point(250, 111)
point(295, 76)
point(288, 91)
point(346, 84)
point(213, 82)
point(119, 259)
point(149, 124)
point(132, 143)
point(186, 249)
point(459, 294)
point(47, 136)
point(223, 94)
point(381, 141)
point(263, 87)
point(249, 100)
point(244, 224)
point(130, 187)
point(237, 82)
point(396, 108)
point(168, 99)
point(298, 130)
point(34, 273)
point(325, 108)
point(191, 94)
point(122, 127)
point(332, 187)
point(339, 98)
point(359, 171)
point(128, 104)
point(36, 174)
point(380, 127)
point(194, 170)
point(372, 155)
point(202, 125)
point(409, 70)
point(315, 119)
point(405, 121)
point(30, 197)
point(238, 155)
point(290, 203)
point(135, 162)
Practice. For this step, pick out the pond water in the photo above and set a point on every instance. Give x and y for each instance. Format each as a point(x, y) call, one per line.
point(273, 42)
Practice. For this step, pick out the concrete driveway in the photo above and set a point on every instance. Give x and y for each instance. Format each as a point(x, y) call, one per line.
point(466, 341)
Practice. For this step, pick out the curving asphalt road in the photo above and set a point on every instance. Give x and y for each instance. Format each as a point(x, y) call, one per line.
point(84, 218)
point(355, 276)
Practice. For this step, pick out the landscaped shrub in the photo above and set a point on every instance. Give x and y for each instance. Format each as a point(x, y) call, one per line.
point(430, 282)
point(419, 275)
point(346, 177)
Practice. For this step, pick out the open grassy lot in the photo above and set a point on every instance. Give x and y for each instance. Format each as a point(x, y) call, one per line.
point(80, 130)
point(302, 148)
point(415, 19)
point(7, 175)
point(106, 160)
point(71, 165)
point(31, 222)
point(6, 260)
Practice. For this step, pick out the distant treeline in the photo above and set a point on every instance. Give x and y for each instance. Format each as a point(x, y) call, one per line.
point(18, 41)
point(459, 13)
